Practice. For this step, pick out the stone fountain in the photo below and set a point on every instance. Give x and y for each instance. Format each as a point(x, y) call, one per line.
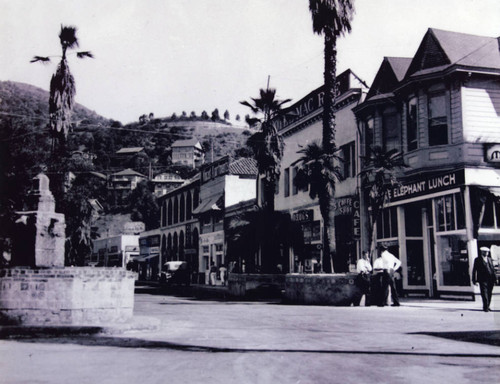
point(37, 289)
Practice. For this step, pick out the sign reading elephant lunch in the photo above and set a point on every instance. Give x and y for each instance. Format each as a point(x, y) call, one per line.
point(426, 185)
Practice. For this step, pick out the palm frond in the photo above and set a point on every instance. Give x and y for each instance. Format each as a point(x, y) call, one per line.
point(40, 58)
point(67, 36)
point(83, 54)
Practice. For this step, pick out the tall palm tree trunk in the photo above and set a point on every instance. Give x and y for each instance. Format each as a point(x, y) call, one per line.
point(330, 90)
point(329, 139)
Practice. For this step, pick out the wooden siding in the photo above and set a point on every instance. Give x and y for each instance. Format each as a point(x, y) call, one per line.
point(455, 120)
point(481, 114)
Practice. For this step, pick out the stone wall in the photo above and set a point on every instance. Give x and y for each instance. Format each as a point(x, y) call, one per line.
point(255, 285)
point(66, 296)
point(322, 289)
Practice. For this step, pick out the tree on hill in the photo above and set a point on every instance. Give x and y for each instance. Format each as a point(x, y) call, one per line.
point(143, 205)
point(193, 115)
point(215, 115)
point(226, 115)
point(204, 115)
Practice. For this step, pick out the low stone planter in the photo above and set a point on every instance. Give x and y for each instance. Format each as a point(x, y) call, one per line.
point(256, 286)
point(66, 296)
point(322, 289)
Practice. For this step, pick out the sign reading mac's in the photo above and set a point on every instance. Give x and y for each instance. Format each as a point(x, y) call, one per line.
point(492, 154)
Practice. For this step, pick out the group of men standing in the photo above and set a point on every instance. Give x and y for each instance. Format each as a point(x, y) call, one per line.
point(381, 281)
point(376, 282)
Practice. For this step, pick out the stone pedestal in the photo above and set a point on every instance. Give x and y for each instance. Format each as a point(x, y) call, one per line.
point(40, 231)
point(39, 290)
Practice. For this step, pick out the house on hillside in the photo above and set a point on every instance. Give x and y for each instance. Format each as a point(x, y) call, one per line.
point(188, 152)
point(441, 108)
point(124, 156)
point(165, 182)
point(123, 182)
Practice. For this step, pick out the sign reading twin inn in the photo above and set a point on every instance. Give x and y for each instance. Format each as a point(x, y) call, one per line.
point(426, 184)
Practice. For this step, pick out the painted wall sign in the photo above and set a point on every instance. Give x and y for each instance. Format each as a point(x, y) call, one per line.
point(303, 215)
point(343, 205)
point(492, 153)
point(133, 227)
point(426, 185)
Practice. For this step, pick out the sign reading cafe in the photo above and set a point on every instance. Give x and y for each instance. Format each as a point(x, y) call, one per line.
point(426, 185)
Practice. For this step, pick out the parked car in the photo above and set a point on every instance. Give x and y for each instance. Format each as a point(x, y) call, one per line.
point(175, 273)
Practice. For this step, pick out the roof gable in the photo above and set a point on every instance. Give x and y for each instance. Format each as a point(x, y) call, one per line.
point(130, 150)
point(187, 143)
point(390, 73)
point(439, 49)
point(129, 172)
point(429, 54)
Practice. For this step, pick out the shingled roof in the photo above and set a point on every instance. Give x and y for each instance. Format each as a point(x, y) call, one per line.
point(440, 50)
point(129, 172)
point(243, 167)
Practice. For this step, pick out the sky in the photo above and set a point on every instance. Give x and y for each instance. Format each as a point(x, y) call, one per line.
point(169, 56)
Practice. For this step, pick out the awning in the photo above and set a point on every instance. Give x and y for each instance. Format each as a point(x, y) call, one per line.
point(144, 258)
point(214, 203)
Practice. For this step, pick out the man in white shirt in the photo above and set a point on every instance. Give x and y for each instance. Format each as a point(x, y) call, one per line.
point(390, 264)
point(363, 267)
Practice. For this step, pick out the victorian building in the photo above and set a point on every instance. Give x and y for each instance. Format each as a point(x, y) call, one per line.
point(441, 108)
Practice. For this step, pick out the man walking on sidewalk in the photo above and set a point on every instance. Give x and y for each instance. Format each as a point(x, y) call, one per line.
point(483, 273)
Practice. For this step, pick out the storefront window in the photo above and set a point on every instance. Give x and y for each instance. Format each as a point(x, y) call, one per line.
point(387, 224)
point(453, 260)
point(491, 214)
point(414, 244)
point(415, 262)
point(450, 213)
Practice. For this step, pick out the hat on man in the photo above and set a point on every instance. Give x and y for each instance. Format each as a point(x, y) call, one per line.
point(484, 249)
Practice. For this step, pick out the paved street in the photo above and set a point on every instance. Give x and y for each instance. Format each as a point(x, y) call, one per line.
point(182, 340)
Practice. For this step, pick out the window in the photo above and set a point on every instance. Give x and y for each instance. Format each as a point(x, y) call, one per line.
point(438, 125)
point(287, 182)
point(390, 129)
point(412, 124)
point(295, 190)
point(450, 213)
point(368, 131)
point(387, 224)
point(491, 214)
point(348, 155)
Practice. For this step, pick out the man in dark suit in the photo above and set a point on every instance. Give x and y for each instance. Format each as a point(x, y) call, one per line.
point(483, 273)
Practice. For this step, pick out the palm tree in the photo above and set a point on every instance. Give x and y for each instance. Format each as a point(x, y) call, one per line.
point(62, 88)
point(318, 172)
point(259, 226)
point(331, 18)
point(380, 169)
point(267, 144)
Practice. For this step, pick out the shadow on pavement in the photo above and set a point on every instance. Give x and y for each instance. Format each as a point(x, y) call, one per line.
point(481, 337)
point(121, 342)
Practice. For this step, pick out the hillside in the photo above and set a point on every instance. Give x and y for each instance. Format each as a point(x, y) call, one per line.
point(18, 100)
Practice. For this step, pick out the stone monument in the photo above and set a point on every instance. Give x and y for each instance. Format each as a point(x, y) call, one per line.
point(38, 290)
